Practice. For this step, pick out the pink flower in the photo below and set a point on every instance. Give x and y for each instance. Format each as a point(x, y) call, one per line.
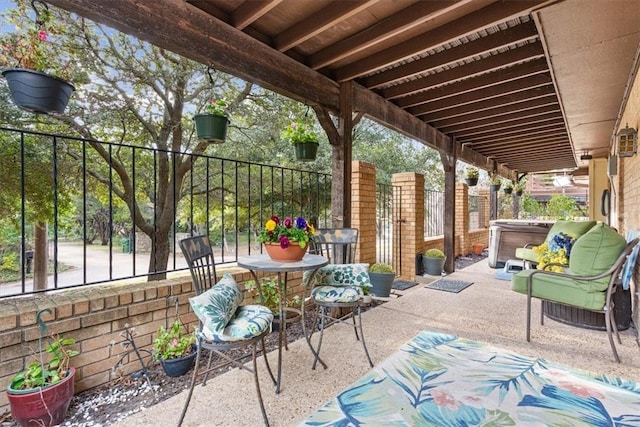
point(284, 242)
point(275, 219)
point(42, 35)
point(174, 342)
point(580, 390)
point(443, 398)
point(288, 222)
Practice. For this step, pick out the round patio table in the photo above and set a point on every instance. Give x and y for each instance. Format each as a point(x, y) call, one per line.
point(263, 263)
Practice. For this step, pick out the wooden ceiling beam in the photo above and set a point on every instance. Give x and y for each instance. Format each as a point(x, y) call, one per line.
point(491, 104)
point(483, 145)
point(549, 101)
point(413, 16)
point(532, 113)
point(533, 144)
point(500, 77)
point(481, 66)
point(498, 134)
point(250, 11)
point(500, 39)
point(490, 15)
point(496, 91)
point(318, 22)
point(499, 126)
point(524, 133)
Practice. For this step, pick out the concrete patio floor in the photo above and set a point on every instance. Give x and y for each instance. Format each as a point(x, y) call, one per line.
point(487, 311)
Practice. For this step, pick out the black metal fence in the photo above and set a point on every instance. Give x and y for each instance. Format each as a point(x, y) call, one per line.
point(478, 212)
point(98, 211)
point(433, 213)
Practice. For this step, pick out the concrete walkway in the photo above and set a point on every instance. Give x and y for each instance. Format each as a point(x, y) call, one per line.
point(487, 311)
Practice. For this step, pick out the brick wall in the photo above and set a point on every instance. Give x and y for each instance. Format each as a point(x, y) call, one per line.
point(363, 209)
point(95, 317)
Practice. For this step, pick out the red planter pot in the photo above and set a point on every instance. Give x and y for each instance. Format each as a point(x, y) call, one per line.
point(44, 407)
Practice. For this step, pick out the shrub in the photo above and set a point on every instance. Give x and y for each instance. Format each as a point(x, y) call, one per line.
point(434, 253)
point(381, 267)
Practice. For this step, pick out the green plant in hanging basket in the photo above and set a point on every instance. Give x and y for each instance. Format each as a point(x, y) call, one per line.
point(212, 123)
point(304, 140)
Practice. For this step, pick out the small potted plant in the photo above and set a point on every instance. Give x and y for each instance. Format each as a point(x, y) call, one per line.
point(494, 182)
point(41, 393)
point(518, 188)
point(381, 276)
point(269, 296)
point(212, 123)
point(434, 262)
point(175, 348)
point(39, 80)
point(303, 138)
point(507, 187)
point(471, 176)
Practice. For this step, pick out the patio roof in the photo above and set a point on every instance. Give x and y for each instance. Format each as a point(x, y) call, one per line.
point(527, 85)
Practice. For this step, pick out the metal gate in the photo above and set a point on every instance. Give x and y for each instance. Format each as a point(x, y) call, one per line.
point(389, 225)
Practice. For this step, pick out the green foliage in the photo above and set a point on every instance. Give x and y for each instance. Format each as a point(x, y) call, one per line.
point(434, 253)
point(270, 290)
point(561, 206)
point(299, 131)
point(10, 262)
point(286, 231)
point(494, 179)
point(174, 342)
point(50, 372)
point(472, 172)
point(217, 107)
point(381, 267)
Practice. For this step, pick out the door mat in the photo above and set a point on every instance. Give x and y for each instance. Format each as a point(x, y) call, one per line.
point(401, 285)
point(454, 286)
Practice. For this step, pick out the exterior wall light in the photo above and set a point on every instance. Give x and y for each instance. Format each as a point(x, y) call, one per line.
point(627, 142)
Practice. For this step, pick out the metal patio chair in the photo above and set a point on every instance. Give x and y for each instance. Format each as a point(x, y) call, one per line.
point(246, 327)
point(338, 285)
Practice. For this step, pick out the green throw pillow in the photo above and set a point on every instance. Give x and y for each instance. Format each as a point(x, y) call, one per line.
point(573, 228)
point(596, 251)
point(217, 306)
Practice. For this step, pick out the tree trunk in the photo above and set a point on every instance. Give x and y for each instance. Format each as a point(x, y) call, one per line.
point(40, 256)
point(159, 258)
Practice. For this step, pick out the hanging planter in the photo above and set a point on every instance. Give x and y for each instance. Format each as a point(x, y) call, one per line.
point(305, 151)
point(471, 176)
point(38, 92)
point(508, 190)
point(211, 128)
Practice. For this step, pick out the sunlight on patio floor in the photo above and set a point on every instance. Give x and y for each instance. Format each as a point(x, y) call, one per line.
point(487, 311)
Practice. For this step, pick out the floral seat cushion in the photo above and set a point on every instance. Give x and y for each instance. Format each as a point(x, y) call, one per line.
point(248, 322)
point(345, 294)
point(339, 275)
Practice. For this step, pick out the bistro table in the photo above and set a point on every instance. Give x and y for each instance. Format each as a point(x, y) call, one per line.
point(263, 263)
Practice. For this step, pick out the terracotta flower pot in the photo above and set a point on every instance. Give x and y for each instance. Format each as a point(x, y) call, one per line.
point(291, 254)
point(477, 248)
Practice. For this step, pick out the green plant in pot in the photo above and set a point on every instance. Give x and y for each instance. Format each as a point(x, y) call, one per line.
point(175, 348)
point(518, 188)
point(507, 187)
point(212, 123)
point(434, 262)
point(381, 276)
point(304, 140)
point(269, 296)
point(494, 182)
point(40, 394)
point(471, 176)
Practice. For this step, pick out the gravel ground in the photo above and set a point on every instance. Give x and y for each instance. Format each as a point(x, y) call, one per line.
point(107, 404)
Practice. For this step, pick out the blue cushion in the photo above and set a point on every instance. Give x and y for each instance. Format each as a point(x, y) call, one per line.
point(249, 321)
point(218, 305)
point(337, 293)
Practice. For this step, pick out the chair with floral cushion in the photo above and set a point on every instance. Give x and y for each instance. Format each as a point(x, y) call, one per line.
point(338, 285)
point(224, 324)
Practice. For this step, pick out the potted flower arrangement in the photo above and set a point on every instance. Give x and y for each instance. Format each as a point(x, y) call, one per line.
point(434, 262)
point(303, 138)
point(494, 182)
point(381, 276)
point(212, 123)
point(507, 187)
point(41, 393)
point(286, 240)
point(39, 83)
point(175, 348)
point(471, 176)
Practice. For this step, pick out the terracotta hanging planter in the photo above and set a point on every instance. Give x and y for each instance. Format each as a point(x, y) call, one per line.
point(38, 92)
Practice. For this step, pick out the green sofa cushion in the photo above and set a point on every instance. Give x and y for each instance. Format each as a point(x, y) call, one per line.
point(573, 228)
point(596, 251)
point(577, 293)
point(526, 254)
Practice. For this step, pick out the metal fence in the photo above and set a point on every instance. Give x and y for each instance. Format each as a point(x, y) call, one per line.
point(478, 212)
point(433, 213)
point(103, 211)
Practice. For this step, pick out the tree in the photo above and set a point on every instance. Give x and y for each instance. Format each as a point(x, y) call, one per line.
point(561, 206)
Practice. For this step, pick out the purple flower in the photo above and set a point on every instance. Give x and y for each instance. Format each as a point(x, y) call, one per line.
point(284, 242)
point(301, 224)
point(288, 222)
point(275, 219)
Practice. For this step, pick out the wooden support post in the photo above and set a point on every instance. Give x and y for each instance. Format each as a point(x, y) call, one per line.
point(449, 164)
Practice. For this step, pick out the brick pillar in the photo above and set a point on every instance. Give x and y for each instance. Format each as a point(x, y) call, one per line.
point(363, 209)
point(462, 218)
point(408, 221)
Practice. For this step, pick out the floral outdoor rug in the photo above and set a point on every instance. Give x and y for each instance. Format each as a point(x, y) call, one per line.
point(442, 380)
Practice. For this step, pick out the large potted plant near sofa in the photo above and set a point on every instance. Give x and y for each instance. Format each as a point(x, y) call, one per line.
point(381, 276)
point(40, 394)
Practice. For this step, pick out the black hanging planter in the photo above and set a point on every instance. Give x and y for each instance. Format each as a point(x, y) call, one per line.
point(211, 128)
point(471, 182)
point(518, 193)
point(179, 366)
point(494, 187)
point(38, 92)
point(306, 151)
point(507, 190)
